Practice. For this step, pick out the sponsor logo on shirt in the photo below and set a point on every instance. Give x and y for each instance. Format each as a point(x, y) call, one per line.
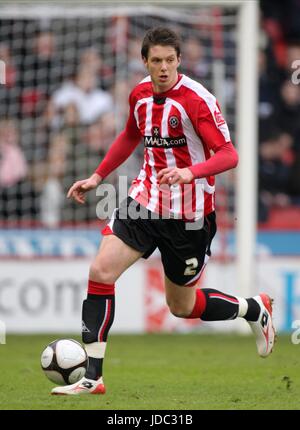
point(164, 142)
point(155, 131)
point(219, 118)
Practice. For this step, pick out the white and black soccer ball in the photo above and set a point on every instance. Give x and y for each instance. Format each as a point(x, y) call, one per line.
point(64, 361)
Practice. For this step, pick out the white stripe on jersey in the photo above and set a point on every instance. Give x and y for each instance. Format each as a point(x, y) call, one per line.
point(148, 124)
point(154, 193)
point(147, 100)
point(175, 190)
point(142, 175)
point(165, 117)
point(139, 188)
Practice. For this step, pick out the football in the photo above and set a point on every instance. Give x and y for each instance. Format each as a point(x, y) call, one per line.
point(64, 361)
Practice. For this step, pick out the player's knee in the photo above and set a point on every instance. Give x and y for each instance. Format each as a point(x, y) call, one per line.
point(101, 271)
point(178, 309)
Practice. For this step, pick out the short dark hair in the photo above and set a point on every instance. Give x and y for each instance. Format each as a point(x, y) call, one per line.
point(160, 36)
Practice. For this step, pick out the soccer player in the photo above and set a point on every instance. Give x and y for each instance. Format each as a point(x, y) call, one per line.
point(180, 124)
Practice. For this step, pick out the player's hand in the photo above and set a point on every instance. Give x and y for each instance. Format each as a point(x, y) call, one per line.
point(174, 175)
point(78, 190)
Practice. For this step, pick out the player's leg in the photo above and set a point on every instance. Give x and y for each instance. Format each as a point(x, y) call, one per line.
point(125, 241)
point(208, 304)
point(213, 305)
point(113, 258)
point(184, 257)
point(180, 299)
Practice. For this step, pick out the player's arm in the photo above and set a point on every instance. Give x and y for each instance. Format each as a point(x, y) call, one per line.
point(213, 131)
point(120, 150)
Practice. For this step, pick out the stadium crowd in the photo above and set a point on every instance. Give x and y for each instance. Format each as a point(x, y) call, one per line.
point(61, 109)
point(279, 107)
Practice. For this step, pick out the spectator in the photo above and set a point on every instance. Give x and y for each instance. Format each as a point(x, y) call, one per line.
point(134, 53)
point(195, 63)
point(91, 59)
point(83, 151)
point(8, 91)
point(268, 97)
point(90, 101)
point(52, 195)
point(16, 192)
point(275, 161)
point(41, 73)
point(10, 68)
point(289, 109)
point(13, 166)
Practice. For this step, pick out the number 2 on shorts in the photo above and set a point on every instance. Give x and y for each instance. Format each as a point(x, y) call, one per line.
point(192, 264)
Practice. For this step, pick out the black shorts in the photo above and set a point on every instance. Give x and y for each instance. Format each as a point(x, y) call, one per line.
point(183, 251)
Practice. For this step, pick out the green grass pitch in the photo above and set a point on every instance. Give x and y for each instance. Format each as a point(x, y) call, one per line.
point(144, 372)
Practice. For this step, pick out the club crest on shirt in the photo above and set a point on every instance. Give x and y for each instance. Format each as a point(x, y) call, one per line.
point(173, 121)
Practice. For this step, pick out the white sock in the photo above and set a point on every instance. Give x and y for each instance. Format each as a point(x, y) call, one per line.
point(95, 349)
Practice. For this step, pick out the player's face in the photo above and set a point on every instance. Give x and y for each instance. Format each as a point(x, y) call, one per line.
point(162, 64)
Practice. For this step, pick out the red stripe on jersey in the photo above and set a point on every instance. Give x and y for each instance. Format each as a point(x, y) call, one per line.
point(141, 112)
point(175, 128)
point(208, 198)
point(209, 204)
point(143, 195)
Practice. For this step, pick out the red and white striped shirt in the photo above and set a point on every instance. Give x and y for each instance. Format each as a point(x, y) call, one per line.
point(179, 128)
